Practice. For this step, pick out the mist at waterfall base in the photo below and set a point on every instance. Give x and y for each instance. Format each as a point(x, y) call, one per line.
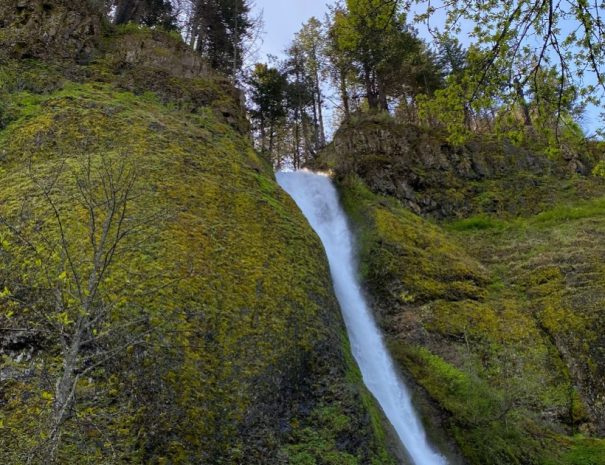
point(317, 198)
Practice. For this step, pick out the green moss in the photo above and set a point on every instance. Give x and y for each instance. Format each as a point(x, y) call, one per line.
point(243, 357)
point(493, 317)
point(480, 222)
point(585, 452)
point(398, 247)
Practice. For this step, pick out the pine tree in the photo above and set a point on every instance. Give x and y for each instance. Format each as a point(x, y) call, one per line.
point(146, 12)
point(268, 93)
point(390, 61)
point(218, 30)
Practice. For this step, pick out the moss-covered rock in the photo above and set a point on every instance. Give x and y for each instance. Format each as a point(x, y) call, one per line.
point(50, 29)
point(498, 321)
point(434, 178)
point(222, 342)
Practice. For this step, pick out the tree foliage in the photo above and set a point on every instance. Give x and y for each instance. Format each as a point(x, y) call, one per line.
point(146, 12)
point(268, 93)
point(217, 29)
point(522, 38)
point(389, 59)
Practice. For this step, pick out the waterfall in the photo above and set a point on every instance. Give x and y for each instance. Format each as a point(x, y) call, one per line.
point(317, 198)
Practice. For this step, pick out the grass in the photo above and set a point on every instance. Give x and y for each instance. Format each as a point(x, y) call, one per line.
point(593, 208)
point(480, 222)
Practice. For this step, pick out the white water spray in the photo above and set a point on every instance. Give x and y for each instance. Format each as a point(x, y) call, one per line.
point(318, 200)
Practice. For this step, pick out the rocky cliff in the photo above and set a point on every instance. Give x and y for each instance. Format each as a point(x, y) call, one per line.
point(216, 337)
point(495, 310)
point(434, 178)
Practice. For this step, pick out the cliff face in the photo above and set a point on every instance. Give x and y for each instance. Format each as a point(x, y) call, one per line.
point(218, 339)
point(50, 29)
point(436, 179)
point(497, 316)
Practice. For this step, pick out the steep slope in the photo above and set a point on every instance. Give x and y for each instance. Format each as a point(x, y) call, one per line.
point(498, 319)
point(217, 338)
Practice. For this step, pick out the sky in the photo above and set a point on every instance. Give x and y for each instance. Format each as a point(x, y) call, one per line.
point(282, 19)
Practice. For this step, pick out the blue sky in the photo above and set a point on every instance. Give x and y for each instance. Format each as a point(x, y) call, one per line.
point(283, 18)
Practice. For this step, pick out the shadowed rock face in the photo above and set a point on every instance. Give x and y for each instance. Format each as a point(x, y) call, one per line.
point(49, 29)
point(433, 178)
point(157, 50)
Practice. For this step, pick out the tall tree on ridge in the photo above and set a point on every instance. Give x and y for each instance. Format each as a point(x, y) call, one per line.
point(147, 12)
point(299, 98)
point(311, 40)
point(268, 92)
point(340, 64)
point(218, 29)
point(390, 60)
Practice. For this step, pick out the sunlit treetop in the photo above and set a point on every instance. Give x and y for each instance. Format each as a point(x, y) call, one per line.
point(526, 36)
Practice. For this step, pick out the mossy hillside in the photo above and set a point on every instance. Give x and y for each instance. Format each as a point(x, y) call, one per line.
point(439, 268)
point(242, 357)
point(138, 60)
point(467, 319)
point(554, 260)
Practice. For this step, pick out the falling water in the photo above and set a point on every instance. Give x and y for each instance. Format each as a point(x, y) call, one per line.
point(318, 200)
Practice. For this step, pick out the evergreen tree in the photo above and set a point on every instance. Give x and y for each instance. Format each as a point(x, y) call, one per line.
point(391, 62)
point(340, 64)
point(451, 56)
point(268, 95)
point(300, 101)
point(310, 39)
point(218, 30)
point(146, 12)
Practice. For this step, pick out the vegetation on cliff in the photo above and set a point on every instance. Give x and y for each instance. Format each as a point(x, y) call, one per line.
point(497, 318)
point(162, 299)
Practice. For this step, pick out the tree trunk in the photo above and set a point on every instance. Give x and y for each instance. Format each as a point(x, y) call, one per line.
point(322, 133)
point(344, 94)
point(271, 137)
point(315, 123)
point(65, 391)
point(263, 134)
point(370, 91)
point(126, 11)
point(382, 96)
point(296, 140)
point(307, 142)
point(524, 105)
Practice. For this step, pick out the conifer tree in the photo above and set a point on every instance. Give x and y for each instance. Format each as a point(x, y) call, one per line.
point(147, 12)
point(218, 30)
point(268, 92)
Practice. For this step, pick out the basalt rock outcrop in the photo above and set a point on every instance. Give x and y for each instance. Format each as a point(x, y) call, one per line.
point(434, 178)
point(50, 29)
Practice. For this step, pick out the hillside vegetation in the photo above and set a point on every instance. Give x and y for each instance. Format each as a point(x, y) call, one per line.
point(495, 310)
point(162, 301)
